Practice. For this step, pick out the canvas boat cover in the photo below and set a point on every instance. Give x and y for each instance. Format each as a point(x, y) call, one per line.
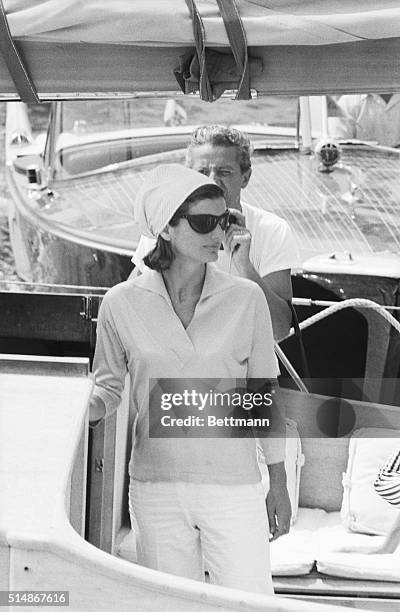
point(128, 46)
point(168, 22)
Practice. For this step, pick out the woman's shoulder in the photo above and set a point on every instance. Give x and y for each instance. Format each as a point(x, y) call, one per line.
point(149, 281)
point(121, 290)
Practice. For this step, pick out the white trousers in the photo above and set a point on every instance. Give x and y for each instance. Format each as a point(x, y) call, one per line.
point(184, 527)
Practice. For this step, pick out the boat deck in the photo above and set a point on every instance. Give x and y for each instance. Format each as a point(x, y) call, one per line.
point(352, 209)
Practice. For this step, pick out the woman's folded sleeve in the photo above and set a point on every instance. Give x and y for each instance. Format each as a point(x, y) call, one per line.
point(387, 483)
point(262, 373)
point(110, 363)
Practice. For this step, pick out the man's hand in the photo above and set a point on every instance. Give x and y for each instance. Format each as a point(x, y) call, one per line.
point(237, 241)
point(278, 503)
point(239, 217)
point(277, 285)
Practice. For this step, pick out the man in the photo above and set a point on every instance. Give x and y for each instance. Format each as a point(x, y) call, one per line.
point(387, 485)
point(224, 154)
point(371, 117)
point(174, 113)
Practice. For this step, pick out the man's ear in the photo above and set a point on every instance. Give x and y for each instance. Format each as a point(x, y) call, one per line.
point(165, 233)
point(245, 178)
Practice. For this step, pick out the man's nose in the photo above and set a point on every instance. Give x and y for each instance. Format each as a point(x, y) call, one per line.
point(215, 177)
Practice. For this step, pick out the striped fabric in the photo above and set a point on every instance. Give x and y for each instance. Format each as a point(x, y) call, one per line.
point(387, 483)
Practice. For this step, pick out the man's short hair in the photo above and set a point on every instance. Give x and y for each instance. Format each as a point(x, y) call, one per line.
point(222, 136)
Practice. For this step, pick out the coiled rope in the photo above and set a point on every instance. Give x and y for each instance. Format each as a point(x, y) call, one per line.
point(352, 302)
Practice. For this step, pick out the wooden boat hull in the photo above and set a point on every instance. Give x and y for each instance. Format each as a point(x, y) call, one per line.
point(80, 230)
point(47, 257)
point(357, 233)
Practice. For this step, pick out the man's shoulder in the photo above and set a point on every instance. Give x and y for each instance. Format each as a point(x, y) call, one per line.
point(262, 216)
point(265, 216)
point(273, 245)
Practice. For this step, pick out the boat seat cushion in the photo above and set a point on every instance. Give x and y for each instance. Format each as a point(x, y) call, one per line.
point(363, 510)
point(362, 566)
point(321, 477)
point(317, 536)
point(293, 554)
point(320, 537)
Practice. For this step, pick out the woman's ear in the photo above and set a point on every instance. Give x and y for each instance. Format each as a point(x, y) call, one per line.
point(165, 233)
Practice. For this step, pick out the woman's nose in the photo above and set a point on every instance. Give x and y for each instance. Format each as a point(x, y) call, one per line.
point(218, 232)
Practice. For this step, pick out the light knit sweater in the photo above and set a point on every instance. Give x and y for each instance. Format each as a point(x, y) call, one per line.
point(229, 337)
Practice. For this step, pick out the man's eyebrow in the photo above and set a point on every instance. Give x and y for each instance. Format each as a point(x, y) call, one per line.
point(204, 166)
point(226, 166)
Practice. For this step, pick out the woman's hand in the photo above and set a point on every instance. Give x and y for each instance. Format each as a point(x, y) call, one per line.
point(278, 502)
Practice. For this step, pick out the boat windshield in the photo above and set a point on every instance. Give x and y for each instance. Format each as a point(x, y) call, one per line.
point(111, 115)
point(93, 135)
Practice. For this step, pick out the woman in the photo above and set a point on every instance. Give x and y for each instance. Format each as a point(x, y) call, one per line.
point(193, 498)
point(387, 485)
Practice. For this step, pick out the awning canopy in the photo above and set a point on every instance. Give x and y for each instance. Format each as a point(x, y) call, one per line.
point(75, 48)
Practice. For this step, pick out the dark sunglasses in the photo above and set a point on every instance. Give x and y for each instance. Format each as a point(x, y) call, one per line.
point(204, 224)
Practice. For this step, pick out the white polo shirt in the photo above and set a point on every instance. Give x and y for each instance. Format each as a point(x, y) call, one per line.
point(272, 245)
point(230, 336)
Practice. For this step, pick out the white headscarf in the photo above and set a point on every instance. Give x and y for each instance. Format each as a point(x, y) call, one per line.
point(162, 192)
